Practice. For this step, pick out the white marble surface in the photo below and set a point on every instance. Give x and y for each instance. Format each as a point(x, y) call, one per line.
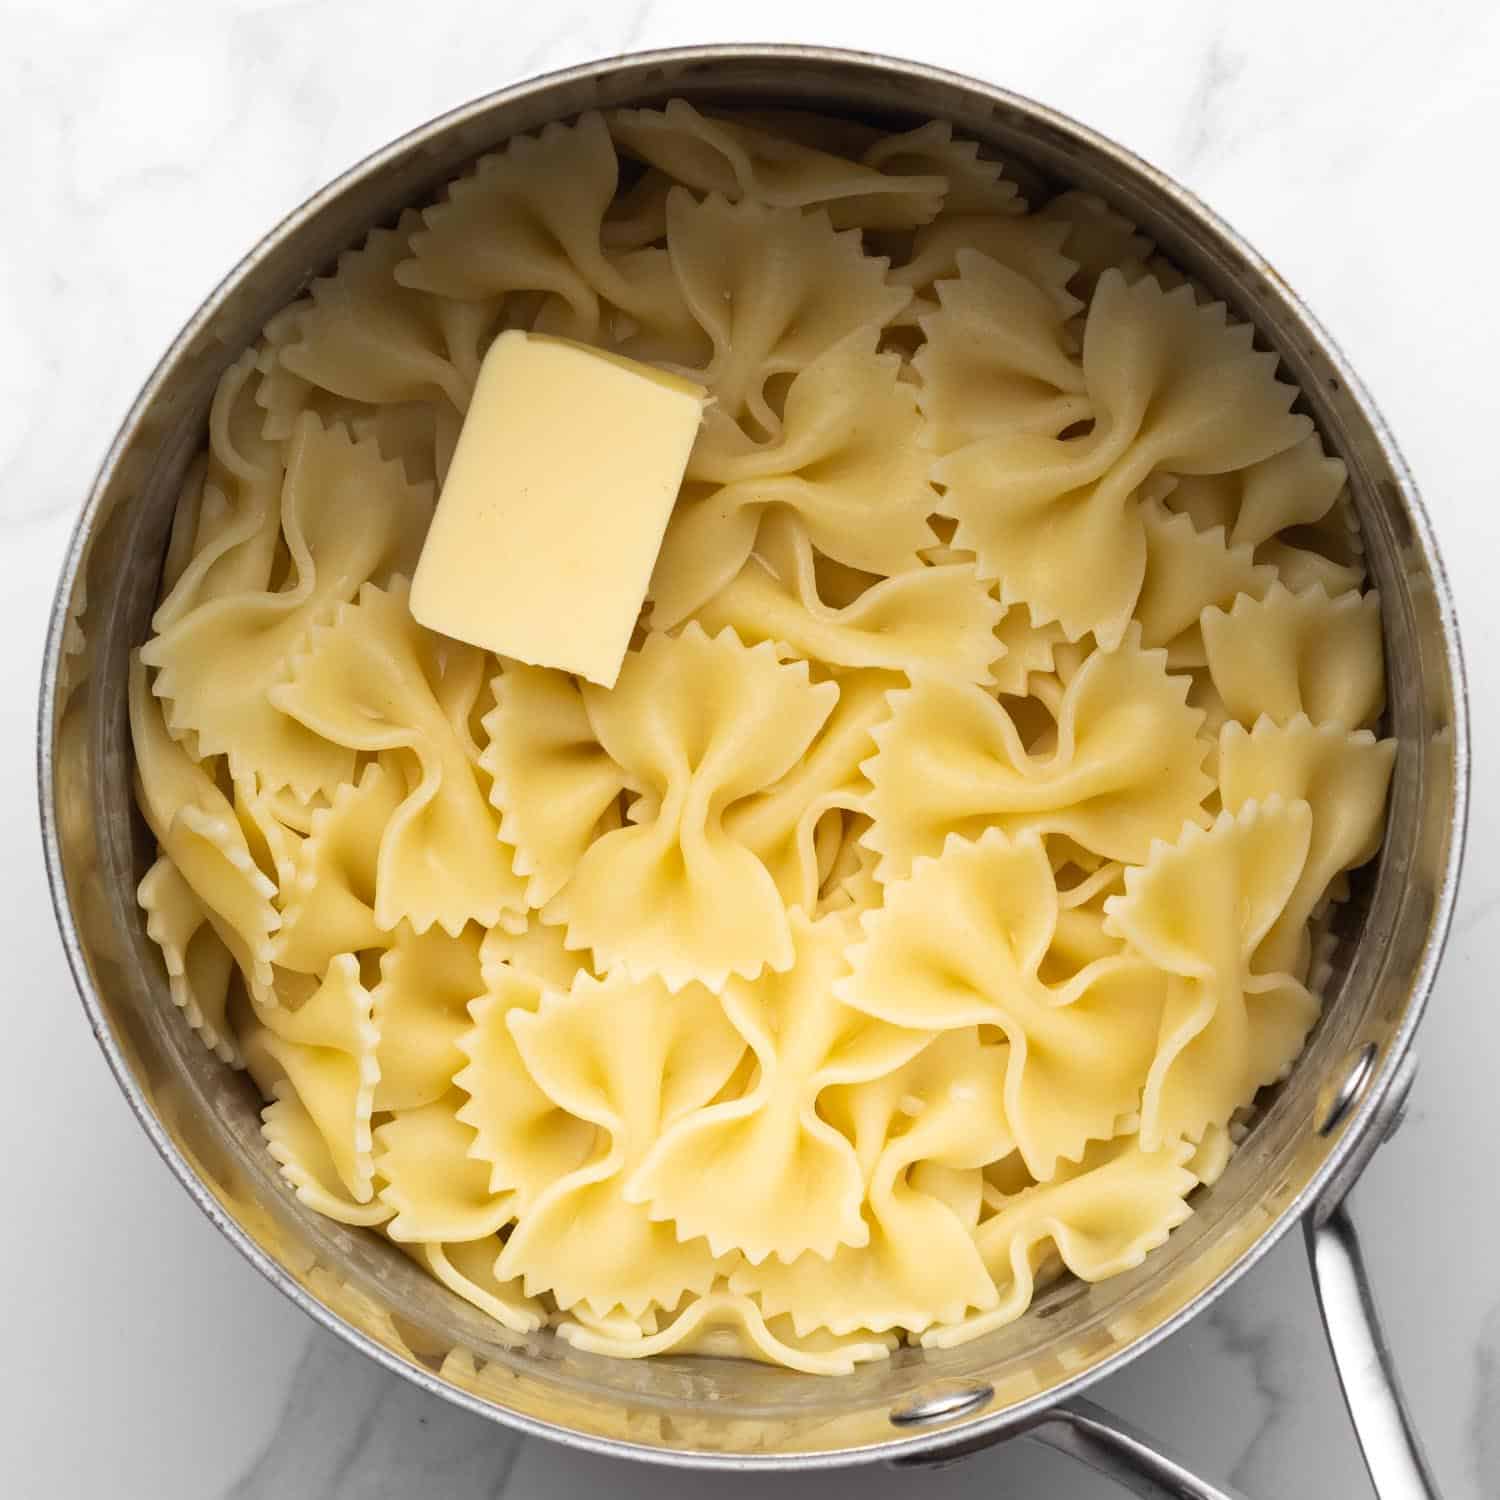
point(148, 144)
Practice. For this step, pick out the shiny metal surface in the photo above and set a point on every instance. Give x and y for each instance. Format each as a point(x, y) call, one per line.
point(1372, 1390)
point(1088, 1433)
point(203, 1119)
point(938, 1406)
point(1343, 1092)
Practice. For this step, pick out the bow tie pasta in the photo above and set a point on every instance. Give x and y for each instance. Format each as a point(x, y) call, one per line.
point(1172, 387)
point(696, 724)
point(712, 154)
point(918, 916)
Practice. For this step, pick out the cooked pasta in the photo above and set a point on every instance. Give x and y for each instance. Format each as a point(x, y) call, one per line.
point(921, 911)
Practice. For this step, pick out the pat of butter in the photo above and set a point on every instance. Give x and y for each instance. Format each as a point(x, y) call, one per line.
point(555, 504)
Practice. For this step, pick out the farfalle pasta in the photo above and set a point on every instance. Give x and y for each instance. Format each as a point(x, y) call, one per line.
point(328, 901)
point(1186, 571)
point(917, 1263)
point(713, 154)
point(796, 825)
point(1342, 775)
point(1173, 387)
point(325, 1050)
point(1287, 654)
point(696, 723)
point(846, 462)
point(529, 219)
point(632, 1058)
point(551, 780)
point(1124, 769)
point(1025, 243)
point(431, 1179)
point(197, 961)
point(997, 357)
point(918, 917)
point(196, 830)
point(940, 618)
point(962, 942)
point(525, 1138)
point(420, 1007)
point(1199, 910)
point(227, 532)
point(356, 338)
point(799, 1185)
point(347, 517)
point(370, 681)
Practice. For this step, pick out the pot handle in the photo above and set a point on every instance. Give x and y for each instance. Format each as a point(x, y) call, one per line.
point(1367, 1373)
point(1392, 1451)
point(1085, 1431)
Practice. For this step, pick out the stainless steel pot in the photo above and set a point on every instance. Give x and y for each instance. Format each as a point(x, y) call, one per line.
point(1308, 1145)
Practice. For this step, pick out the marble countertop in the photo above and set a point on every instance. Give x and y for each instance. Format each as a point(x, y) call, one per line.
point(149, 143)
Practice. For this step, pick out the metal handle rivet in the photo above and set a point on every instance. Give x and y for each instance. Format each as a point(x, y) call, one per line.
point(942, 1405)
point(1358, 1071)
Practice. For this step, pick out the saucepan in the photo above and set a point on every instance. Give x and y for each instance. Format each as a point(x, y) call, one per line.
point(1312, 1135)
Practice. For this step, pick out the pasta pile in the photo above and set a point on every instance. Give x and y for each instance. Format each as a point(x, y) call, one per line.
point(922, 910)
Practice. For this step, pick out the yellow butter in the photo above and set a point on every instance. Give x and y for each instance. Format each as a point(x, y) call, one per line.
point(555, 504)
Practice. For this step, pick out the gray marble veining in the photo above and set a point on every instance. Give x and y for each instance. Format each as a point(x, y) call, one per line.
point(1484, 1411)
point(373, 1438)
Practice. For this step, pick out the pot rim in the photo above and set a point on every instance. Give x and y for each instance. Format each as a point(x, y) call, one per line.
point(1371, 1108)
